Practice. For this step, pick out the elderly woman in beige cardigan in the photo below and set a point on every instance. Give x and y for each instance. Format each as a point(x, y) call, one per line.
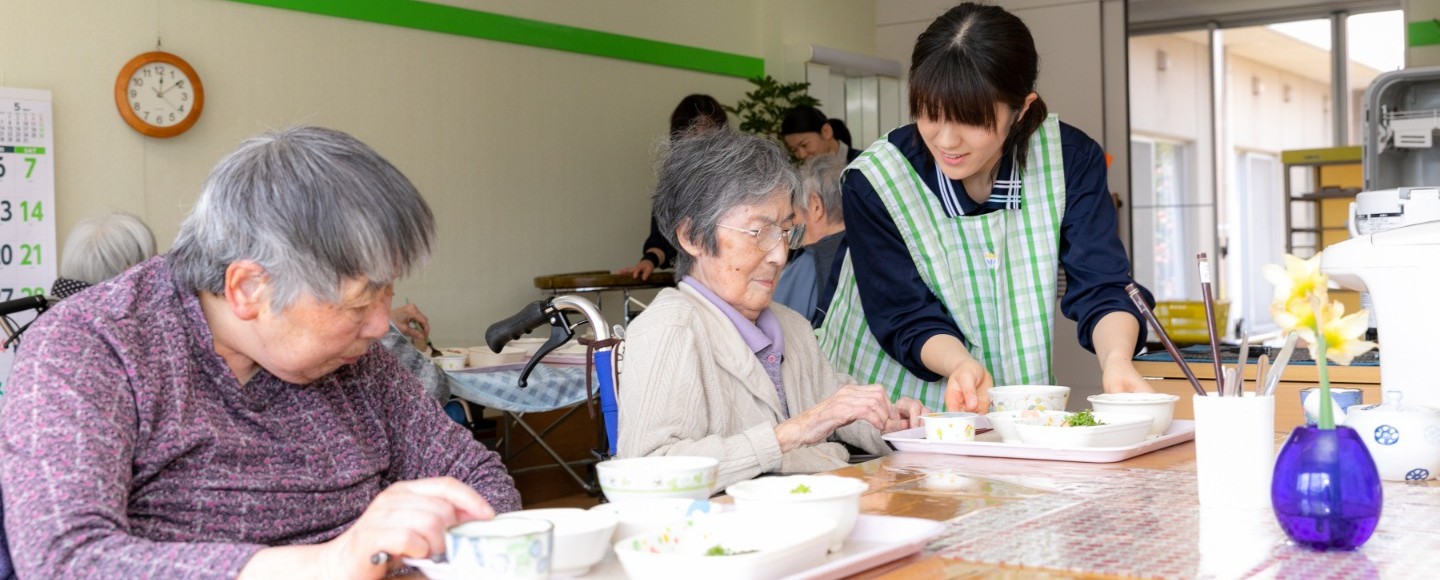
point(713, 368)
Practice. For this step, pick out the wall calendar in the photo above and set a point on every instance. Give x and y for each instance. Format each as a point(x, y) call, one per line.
point(27, 203)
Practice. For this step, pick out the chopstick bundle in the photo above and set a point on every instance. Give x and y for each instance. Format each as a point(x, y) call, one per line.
point(1134, 292)
point(1204, 264)
point(1283, 358)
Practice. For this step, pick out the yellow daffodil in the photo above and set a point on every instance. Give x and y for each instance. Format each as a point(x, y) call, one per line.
point(1302, 305)
point(1343, 334)
point(1298, 279)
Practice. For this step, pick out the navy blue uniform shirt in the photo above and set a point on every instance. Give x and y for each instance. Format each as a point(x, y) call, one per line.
point(901, 310)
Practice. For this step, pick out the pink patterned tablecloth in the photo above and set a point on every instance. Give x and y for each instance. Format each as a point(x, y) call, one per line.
point(1148, 523)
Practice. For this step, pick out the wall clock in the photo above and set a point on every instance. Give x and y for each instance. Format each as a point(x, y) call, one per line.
point(159, 94)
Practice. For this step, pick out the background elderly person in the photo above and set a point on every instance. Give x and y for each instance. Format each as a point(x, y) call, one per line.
point(808, 281)
point(100, 248)
point(711, 367)
point(224, 408)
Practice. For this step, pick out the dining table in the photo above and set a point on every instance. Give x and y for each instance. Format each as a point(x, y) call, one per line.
point(1019, 518)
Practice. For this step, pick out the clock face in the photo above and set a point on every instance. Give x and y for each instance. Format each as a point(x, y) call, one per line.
point(161, 95)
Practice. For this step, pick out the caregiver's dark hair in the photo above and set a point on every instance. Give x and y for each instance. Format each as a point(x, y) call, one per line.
point(696, 109)
point(971, 58)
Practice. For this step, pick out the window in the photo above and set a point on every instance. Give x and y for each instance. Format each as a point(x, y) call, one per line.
point(1211, 182)
point(1171, 221)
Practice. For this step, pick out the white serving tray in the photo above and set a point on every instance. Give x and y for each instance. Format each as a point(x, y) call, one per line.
point(874, 541)
point(989, 445)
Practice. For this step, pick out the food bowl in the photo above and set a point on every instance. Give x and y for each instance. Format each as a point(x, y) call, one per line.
point(1119, 430)
point(482, 356)
point(734, 545)
point(1158, 406)
point(643, 516)
point(953, 426)
point(804, 497)
point(582, 537)
point(1003, 422)
point(450, 362)
point(655, 477)
point(1023, 397)
point(496, 548)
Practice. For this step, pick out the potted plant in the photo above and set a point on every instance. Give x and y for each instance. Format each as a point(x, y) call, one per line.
point(762, 109)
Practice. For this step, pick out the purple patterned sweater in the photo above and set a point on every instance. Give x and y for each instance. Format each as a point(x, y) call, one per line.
point(129, 450)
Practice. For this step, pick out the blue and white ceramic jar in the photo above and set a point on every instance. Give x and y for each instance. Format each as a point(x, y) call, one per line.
point(1403, 439)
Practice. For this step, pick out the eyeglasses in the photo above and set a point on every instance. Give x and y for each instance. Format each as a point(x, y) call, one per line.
point(766, 238)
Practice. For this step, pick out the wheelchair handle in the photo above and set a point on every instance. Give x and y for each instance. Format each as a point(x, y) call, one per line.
point(22, 304)
point(529, 318)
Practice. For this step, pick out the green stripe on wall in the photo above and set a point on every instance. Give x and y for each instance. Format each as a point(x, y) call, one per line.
point(501, 28)
point(1424, 33)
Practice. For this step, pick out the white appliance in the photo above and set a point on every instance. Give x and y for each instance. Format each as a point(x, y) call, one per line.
point(1373, 212)
point(1400, 268)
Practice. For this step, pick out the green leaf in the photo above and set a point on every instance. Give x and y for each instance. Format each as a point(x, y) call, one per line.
point(764, 108)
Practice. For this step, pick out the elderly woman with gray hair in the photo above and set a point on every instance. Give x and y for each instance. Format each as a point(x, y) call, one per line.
point(712, 367)
point(100, 248)
point(224, 409)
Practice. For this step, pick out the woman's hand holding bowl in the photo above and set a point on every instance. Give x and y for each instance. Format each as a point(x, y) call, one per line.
point(407, 520)
point(967, 387)
point(1120, 376)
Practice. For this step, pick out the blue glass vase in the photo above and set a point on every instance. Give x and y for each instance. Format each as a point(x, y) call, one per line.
point(1326, 490)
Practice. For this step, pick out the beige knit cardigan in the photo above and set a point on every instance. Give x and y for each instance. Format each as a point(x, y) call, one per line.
point(691, 386)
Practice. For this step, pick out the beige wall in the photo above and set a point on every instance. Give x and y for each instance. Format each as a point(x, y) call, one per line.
point(1266, 121)
point(535, 161)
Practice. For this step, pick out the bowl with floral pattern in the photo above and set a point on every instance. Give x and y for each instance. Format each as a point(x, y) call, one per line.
point(728, 545)
point(1029, 398)
point(635, 478)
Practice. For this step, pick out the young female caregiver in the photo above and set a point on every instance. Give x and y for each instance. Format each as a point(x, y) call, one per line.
point(960, 223)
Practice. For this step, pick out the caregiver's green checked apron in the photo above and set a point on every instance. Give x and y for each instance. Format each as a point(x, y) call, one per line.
point(995, 273)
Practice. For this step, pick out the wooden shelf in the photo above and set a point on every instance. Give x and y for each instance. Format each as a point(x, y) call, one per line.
point(1329, 193)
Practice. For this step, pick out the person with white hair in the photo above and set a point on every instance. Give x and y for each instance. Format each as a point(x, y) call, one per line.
point(224, 409)
point(808, 282)
point(100, 248)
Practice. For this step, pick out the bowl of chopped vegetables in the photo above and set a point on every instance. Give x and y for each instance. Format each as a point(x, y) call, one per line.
point(1087, 429)
point(1004, 422)
point(804, 497)
point(730, 545)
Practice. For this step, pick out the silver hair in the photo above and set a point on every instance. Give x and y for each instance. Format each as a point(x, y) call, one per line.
point(706, 174)
point(103, 246)
point(821, 175)
point(313, 207)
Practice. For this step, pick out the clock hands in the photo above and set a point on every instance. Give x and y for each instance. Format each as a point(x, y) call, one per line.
point(161, 94)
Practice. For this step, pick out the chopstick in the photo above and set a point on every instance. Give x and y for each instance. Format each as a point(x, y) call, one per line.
point(1281, 360)
point(1204, 264)
point(1260, 368)
point(1134, 292)
point(1244, 359)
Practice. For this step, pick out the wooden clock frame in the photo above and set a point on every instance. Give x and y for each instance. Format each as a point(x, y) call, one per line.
point(122, 101)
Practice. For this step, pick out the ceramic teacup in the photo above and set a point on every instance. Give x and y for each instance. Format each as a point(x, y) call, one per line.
point(954, 426)
point(1344, 399)
point(501, 548)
